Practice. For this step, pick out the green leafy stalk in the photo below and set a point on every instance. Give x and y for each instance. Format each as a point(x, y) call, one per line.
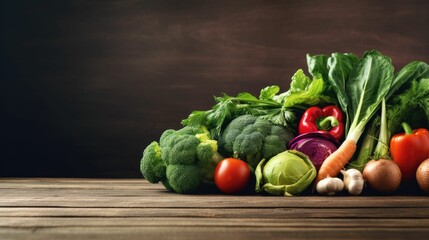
point(367, 145)
point(382, 149)
point(408, 104)
point(411, 100)
point(368, 84)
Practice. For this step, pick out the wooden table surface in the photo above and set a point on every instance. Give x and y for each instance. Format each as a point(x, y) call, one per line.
point(134, 209)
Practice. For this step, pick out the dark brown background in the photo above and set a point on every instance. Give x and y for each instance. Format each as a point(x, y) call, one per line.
point(86, 85)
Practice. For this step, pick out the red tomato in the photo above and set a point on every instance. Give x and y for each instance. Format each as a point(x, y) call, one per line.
point(232, 175)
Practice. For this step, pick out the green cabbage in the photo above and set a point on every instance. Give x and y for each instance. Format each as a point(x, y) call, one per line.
point(288, 173)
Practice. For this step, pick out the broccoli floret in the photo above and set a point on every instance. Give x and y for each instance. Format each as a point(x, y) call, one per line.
point(152, 165)
point(184, 178)
point(182, 160)
point(180, 150)
point(253, 139)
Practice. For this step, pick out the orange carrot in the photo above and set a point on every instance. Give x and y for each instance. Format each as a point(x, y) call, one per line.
point(332, 165)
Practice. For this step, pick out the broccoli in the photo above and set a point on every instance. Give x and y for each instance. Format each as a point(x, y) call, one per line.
point(182, 159)
point(253, 139)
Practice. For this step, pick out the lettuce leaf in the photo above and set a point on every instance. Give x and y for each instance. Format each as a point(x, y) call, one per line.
point(304, 92)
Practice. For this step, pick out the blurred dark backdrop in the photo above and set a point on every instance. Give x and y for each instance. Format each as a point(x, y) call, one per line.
point(86, 85)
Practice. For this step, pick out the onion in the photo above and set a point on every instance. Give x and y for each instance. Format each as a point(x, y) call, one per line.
point(316, 145)
point(382, 175)
point(422, 175)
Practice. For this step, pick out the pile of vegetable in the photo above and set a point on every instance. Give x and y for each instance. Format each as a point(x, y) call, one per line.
point(353, 125)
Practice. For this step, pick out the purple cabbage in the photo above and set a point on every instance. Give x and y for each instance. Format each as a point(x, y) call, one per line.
point(316, 145)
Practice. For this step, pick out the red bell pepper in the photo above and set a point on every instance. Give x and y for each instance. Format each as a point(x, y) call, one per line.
point(328, 119)
point(409, 150)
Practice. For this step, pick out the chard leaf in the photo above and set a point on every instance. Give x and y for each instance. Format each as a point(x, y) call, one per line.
point(318, 65)
point(368, 83)
point(340, 66)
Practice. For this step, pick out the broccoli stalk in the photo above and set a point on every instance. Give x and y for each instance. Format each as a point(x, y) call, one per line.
point(182, 159)
point(252, 139)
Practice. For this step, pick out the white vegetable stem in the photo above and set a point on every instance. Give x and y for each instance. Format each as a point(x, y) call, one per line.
point(381, 149)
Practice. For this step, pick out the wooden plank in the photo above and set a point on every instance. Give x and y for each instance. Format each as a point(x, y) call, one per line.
point(194, 201)
point(81, 192)
point(37, 222)
point(268, 213)
point(66, 183)
point(189, 233)
point(121, 191)
point(136, 186)
point(139, 193)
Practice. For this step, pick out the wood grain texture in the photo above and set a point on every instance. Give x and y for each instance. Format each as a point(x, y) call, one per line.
point(134, 209)
point(86, 85)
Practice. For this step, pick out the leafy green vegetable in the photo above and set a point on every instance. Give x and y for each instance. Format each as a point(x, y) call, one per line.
point(369, 82)
point(411, 89)
point(279, 108)
point(288, 173)
point(335, 70)
point(411, 106)
point(340, 66)
point(269, 93)
point(360, 84)
point(318, 66)
point(228, 108)
point(412, 96)
point(306, 92)
point(413, 71)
